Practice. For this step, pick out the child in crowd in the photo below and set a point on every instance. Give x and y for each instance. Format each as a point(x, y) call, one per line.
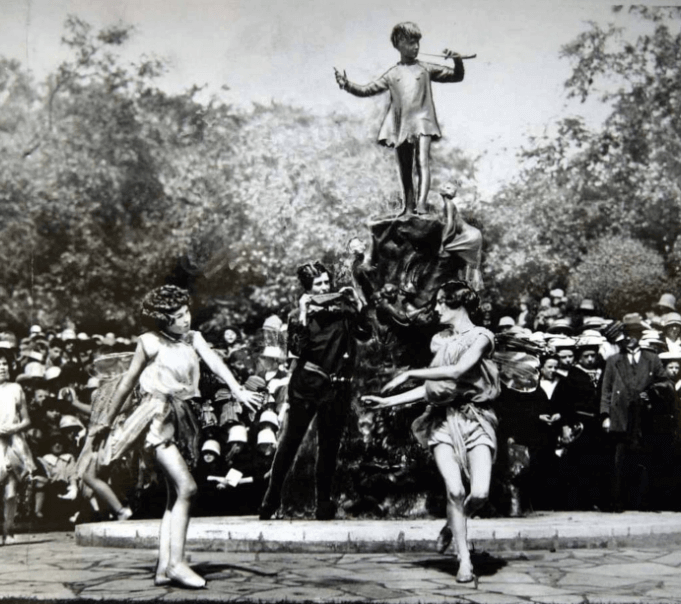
point(57, 481)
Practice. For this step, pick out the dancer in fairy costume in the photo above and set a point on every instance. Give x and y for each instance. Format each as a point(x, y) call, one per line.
point(96, 454)
point(16, 461)
point(166, 367)
point(459, 425)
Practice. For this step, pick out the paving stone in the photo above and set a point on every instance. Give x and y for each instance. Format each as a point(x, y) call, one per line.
point(617, 598)
point(562, 599)
point(670, 559)
point(527, 589)
point(372, 591)
point(593, 581)
point(313, 594)
point(639, 569)
point(492, 598)
point(507, 575)
point(430, 599)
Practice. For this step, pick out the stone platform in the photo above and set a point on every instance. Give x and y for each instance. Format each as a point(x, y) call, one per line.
point(544, 530)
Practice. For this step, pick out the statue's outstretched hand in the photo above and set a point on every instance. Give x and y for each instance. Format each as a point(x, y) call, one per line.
point(450, 54)
point(341, 79)
point(396, 381)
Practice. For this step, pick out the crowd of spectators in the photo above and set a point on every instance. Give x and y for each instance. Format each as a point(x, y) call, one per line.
point(60, 373)
point(601, 429)
point(567, 440)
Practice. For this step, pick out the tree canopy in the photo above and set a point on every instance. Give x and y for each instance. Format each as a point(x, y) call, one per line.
point(580, 185)
point(111, 186)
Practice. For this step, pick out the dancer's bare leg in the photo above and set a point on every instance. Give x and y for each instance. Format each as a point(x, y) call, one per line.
point(458, 505)
point(105, 493)
point(10, 498)
point(175, 522)
point(423, 171)
point(161, 577)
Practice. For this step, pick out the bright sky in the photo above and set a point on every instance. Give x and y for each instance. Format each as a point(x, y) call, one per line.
point(285, 50)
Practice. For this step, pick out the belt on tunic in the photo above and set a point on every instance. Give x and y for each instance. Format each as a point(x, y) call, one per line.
point(332, 377)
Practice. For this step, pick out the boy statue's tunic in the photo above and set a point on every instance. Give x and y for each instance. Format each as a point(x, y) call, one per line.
point(411, 113)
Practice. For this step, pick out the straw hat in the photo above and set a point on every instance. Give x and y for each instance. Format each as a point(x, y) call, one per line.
point(672, 318)
point(33, 372)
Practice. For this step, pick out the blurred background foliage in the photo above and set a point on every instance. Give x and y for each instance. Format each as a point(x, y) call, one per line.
point(111, 186)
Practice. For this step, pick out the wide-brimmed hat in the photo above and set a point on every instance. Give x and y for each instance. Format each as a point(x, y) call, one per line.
point(593, 323)
point(34, 355)
point(672, 318)
point(559, 342)
point(69, 334)
point(667, 301)
point(669, 355)
point(35, 329)
point(651, 340)
point(557, 293)
point(53, 374)
point(560, 326)
point(589, 341)
point(634, 322)
point(33, 372)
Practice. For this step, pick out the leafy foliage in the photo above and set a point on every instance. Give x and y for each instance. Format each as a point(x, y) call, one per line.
point(111, 186)
point(579, 186)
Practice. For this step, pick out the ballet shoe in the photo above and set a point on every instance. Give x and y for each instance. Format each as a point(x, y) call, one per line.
point(185, 577)
point(465, 574)
point(162, 580)
point(444, 539)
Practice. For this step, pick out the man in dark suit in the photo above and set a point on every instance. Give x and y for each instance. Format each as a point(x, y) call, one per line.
point(627, 380)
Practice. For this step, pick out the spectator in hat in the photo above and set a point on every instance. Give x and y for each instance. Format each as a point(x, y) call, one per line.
point(565, 351)
point(56, 483)
point(628, 379)
point(577, 400)
point(210, 497)
point(55, 355)
point(672, 332)
point(525, 316)
point(505, 323)
point(659, 312)
point(672, 365)
point(562, 326)
point(549, 379)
